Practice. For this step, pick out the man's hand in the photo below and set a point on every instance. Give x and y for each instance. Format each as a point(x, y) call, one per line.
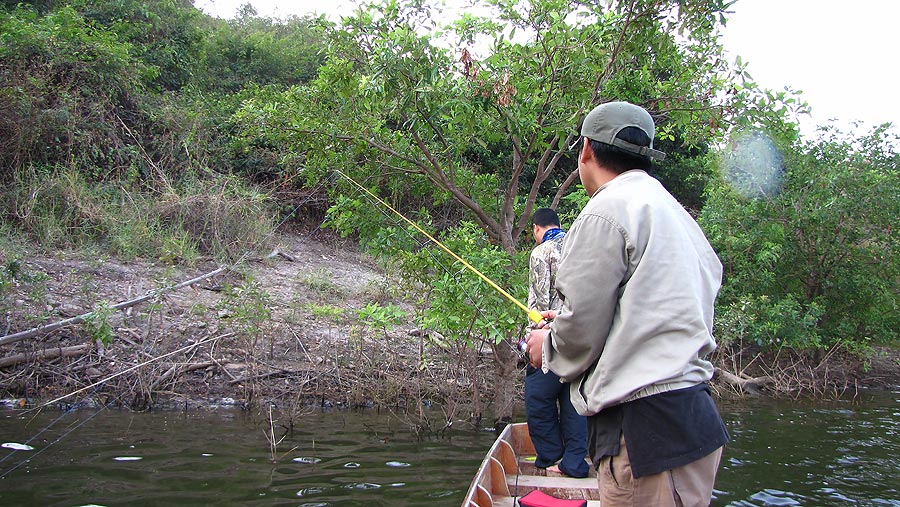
point(534, 346)
point(534, 342)
point(548, 315)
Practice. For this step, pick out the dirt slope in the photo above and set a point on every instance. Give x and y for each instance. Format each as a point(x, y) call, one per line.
point(281, 328)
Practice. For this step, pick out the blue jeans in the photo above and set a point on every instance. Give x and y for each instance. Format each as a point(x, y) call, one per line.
point(558, 432)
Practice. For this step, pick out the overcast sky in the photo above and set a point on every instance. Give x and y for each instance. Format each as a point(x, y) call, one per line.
point(840, 54)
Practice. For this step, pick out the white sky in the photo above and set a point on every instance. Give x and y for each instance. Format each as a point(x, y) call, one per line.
point(840, 54)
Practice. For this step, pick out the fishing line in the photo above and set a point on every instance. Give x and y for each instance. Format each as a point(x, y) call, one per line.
point(99, 383)
point(40, 451)
point(103, 407)
point(453, 274)
point(533, 315)
point(52, 423)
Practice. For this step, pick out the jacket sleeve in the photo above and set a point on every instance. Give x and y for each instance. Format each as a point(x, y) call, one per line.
point(539, 280)
point(535, 292)
point(593, 267)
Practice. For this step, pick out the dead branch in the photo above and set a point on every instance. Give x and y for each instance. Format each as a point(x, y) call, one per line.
point(747, 385)
point(175, 371)
point(125, 304)
point(45, 355)
point(263, 375)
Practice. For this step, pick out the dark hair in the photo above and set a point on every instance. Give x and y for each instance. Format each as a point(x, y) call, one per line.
point(545, 216)
point(619, 160)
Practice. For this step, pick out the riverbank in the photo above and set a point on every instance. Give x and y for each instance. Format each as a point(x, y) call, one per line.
point(296, 326)
point(283, 328)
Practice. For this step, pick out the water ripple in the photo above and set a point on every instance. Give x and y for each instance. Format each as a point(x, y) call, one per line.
point(775, 498)
point(17, 447)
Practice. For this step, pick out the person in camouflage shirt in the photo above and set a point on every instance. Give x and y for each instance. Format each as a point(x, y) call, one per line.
point(558, 432)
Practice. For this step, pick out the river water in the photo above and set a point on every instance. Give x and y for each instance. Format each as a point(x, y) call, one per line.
point(781, 454)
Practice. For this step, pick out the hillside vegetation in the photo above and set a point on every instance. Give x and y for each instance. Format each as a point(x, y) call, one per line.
point(150, 135)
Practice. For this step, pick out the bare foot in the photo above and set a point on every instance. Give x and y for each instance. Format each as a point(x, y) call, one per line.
point(554, 469)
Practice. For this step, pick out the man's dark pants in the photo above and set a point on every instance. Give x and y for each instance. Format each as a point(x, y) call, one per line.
point(558, 432)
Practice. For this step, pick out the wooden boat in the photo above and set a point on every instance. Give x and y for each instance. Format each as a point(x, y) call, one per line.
point(508, 472)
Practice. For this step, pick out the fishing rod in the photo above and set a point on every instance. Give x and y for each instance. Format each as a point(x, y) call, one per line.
point(534, 315)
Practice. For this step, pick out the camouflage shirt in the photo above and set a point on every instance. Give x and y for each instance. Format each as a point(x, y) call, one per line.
point(542, 267)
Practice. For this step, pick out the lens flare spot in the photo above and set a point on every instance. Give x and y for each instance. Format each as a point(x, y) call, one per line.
point(753, 166)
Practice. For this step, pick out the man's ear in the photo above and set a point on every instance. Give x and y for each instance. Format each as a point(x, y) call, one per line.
point(586, 153)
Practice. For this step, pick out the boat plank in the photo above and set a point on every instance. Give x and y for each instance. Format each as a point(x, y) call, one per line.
point(511, 502)
point(562, 482)
point(508, 472)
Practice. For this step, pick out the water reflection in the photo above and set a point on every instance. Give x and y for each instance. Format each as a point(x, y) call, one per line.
point(781, 454)
point(822, 454)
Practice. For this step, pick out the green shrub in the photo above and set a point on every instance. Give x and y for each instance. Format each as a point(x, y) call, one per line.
point(223, 217)
point(65, 88)
point(815, 264)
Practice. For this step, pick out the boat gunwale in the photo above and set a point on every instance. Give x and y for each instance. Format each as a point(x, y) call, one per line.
point(497, 474)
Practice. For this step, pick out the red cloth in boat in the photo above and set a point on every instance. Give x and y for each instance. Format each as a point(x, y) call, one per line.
point(538, 498)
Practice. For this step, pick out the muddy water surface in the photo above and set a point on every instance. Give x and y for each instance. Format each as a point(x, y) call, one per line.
point(804, 454)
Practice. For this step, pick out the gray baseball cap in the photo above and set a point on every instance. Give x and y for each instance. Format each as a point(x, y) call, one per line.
point(605, 121)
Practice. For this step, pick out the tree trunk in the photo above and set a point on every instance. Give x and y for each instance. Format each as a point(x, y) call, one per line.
point(505, 392)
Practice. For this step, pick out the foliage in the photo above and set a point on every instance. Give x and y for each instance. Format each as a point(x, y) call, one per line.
point(248, 306)
point(686, 172)
point(136, 126)
point(775, 112)
point(8, 274)
point(815, 264)
point(454, 301)
point(64, 87)
point(476, 116)
point(86, 86)
point(251, 50)
point(164, 35)
point(320, 311)
point(321, 284)
point(415, 111)
point(97, 323)
point(61, 208)
point(15, 274)
point(380, 317)
point(225, 216)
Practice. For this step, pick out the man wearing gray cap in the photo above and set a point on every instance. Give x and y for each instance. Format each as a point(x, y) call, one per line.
point(638, 280)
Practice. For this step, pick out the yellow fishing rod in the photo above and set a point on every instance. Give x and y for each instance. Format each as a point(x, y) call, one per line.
point(533, 314)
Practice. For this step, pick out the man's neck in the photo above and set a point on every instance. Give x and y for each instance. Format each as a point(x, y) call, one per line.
point(557, 231)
